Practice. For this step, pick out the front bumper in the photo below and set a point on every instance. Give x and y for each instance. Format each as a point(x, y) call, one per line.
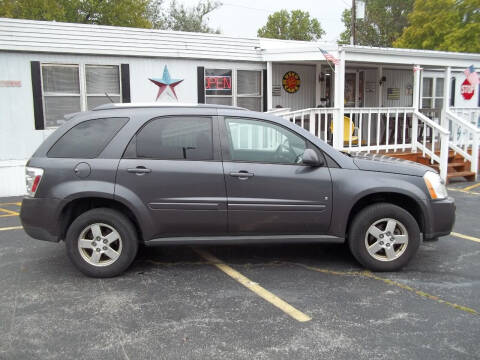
point(441, 219)
point(39, 218)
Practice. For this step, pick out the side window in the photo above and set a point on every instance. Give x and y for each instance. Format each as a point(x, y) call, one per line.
point(176, 138)
point(261, 141)
point(87, 139)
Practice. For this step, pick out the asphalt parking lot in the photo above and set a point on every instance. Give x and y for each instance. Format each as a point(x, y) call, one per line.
point(243, 302)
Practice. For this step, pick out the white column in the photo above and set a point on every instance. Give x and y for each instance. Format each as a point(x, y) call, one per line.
point(269, 86)
point(415, 104)
point(416, 88)
point(446, 96)
point(339, 102)
point(318, 89)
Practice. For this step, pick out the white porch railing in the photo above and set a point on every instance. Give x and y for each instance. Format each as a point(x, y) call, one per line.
point(464, 138)
point(470, 114)
point(432, 140)
point(375, 129)
point(378, 129)
point(316, 120)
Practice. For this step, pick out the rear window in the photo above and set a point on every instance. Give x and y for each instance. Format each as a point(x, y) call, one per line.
point(87, 139)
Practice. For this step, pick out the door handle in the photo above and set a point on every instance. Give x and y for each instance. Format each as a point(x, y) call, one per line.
point(139, 170)
point(242, 175)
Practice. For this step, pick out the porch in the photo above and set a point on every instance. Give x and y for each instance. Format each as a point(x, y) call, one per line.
point(384, 107)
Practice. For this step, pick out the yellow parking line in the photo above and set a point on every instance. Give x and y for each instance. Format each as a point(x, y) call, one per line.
point(257, 289)
point(471, 187)
point(468, 237)
point(11, 228)
point(463, 191)
point(11, 203)
point(9, 212)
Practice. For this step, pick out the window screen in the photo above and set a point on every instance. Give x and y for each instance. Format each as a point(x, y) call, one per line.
point(102, 79)
point(61, 92)
point(176, 138)
point(87, 139)
point(249, 89)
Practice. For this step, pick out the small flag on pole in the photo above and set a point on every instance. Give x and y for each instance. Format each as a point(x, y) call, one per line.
point(330, 57)
point(471, 75)
point(417, 68)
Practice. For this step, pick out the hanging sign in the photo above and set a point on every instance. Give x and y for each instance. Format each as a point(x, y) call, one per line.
point(467, 90)
point(291, 82)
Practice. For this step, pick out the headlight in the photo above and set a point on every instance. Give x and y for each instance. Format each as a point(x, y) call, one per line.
point(435, 185)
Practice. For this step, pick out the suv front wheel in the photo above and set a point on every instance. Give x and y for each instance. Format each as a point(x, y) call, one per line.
point(102, 243)
point(384, 237)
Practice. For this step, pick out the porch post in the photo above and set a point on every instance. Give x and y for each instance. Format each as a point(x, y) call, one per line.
point(446, 97)
point(380, 85)
point(318, 89)
point(339, 102)
point(269, 86)
point(415, 104)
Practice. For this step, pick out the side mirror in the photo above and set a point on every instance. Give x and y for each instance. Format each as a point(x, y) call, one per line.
point(311, 158)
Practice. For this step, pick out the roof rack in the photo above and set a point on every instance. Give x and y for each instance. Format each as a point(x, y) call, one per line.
point(162, 105)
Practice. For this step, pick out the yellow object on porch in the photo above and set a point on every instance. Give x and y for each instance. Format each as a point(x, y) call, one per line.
point(348, 129)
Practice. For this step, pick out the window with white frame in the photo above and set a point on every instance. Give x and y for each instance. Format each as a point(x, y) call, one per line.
point(249, 89)
point(61, 92)
point(103, 84)
point(73, 88)
point(432, 93)
point(234, 87)
point(218, 86)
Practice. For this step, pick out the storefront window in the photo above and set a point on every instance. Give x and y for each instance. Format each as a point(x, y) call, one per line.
point(249, 89)
point(229, 87)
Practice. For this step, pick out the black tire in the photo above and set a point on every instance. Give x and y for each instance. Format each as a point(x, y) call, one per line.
point(127, 238)
point(358, 241)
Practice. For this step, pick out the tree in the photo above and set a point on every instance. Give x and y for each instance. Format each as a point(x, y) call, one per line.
point(193, 19)
point(383, 23)
point(449, 25)
point(134, 13)
point(118, 12)
point(296, 25)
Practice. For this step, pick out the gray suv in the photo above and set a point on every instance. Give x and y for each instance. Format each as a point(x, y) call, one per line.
point(119, 176)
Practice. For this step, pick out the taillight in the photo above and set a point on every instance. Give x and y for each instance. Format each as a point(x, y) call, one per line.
point(33, 176)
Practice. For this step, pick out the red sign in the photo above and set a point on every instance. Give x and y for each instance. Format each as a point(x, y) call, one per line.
point(291, 82)
point(467, 90)
point(218, 82)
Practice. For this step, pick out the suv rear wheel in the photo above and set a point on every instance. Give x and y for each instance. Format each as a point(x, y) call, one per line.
point(384, 237)
point(102, 243)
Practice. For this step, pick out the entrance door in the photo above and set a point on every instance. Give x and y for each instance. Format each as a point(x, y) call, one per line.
point(269, 190)
point(169, 165)
point(354, 89)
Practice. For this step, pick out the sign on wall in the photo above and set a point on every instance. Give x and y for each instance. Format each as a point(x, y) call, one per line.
point(291, 82)
point(467, 90)
point(10, 83)
point(393, 94)
point(218, 82)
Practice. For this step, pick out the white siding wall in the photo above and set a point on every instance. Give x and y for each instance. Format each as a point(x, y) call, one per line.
point(18, 137)
point(305, 96)
point(397, 79)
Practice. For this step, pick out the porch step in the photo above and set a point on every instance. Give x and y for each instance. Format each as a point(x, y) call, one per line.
point(469, 175)
point(454, 165)
point(457, 166)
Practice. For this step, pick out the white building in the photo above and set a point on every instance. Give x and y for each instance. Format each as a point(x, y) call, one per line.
point(49, 69)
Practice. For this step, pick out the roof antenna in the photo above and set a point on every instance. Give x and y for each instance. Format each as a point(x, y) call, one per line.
point(109, 98)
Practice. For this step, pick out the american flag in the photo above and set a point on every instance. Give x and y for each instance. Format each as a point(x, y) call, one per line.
point(330, 57)
point(471, 75)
